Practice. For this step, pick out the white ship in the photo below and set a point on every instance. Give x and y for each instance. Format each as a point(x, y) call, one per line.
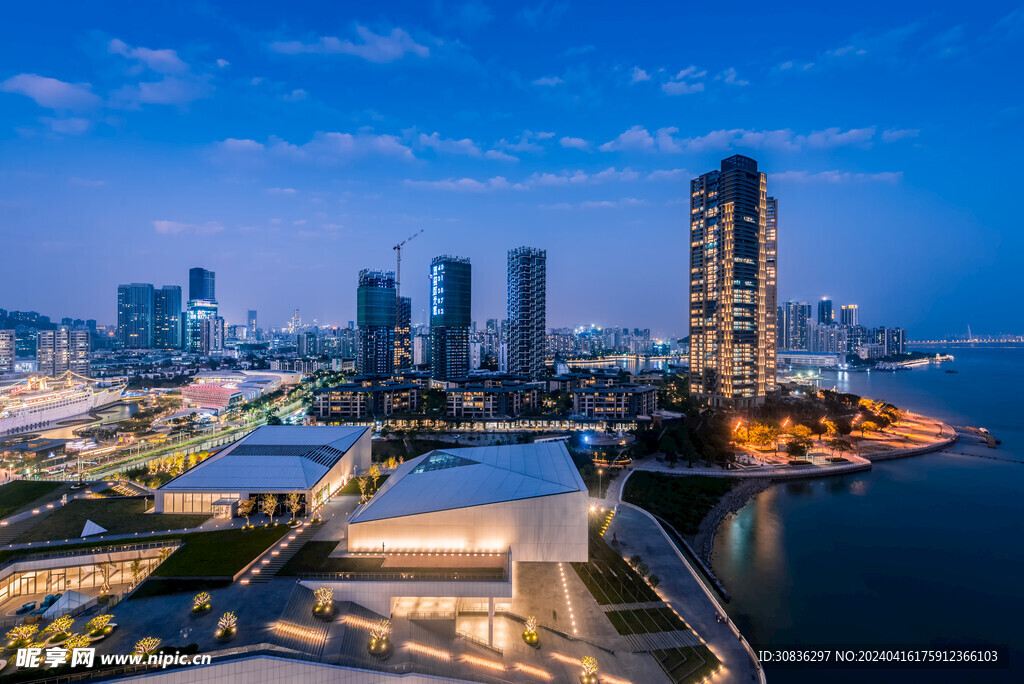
point(34, 403)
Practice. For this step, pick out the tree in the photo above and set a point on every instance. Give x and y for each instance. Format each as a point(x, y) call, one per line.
point(105, 568)
point(294, 503)
point(374, 475)
point(268, 506)
point(273, 419)
point(654, 580)
point(434, 401)
point(635, 560)
point(246, 508)
point(136, 570)
point(642, 569)
point(762, 435)
point(801, 432)
point(840, 445)
point(868, 426)
point(830, 428)
point(363, 481)
point(796, 448)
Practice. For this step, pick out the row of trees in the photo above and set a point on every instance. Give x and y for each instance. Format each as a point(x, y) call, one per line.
point(267, 504)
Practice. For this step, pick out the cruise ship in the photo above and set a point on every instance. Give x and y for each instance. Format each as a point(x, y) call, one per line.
point(34, 403)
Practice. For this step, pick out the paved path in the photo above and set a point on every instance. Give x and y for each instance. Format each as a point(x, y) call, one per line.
point(680, 586)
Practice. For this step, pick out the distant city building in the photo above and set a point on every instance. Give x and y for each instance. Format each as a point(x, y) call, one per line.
point(167, 317)
point(826, 338)
point(62, 350)
point(794, 317)
point(358, 401)
point(376, 314)
point(199, 335)
point(486, 402)
point(421, 350)
point(251, 324)
point(7, 354)
point(849, 315)
point(527, 311)
point(450, 305)
point(826, 316)
point(136, 316)
point(211, 335)
point(403, 334)
point(622, 402)
point(893, 340)
point(201, 284)
point(307, 344)
point(732, 306)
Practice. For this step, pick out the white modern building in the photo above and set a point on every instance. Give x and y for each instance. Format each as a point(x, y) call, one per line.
point(314, 461)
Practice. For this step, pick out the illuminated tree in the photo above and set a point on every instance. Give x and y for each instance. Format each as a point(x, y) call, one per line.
point(201, 602)
point(324, 601)
point(268, 505)
point(830, 428)
point(21, 635)
point(146, 646)
point(363, 483)
point(374, 475)
point(840, 445)
point(380, 644)
point(59, 626)
point(97, 625)
point(589, 665)
point(294, 503)
point(76, 641)
point(105, 568)
point(246, 508)
point(868, 426)
point(801, 432)
point(530, 635)
point(226, 625)
point(136, 570)
point(762, 435)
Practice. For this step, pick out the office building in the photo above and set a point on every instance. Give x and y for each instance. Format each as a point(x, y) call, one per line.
point(826, 338)
point(251, 324)
point(527, 311)
point(794, 317)
point(826, 316)
point(136, 316)
point(621, 402)
point(7, 338)
point(307, 344)
point(167, 317)
point(732, 308)
point(201, 285)
point(403, 334)
point(376, 314)
point(199, 336)
point(849, 315)
point(450, 304)
point(62, 350)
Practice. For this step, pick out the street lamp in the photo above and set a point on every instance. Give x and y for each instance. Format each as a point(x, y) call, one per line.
point(600, 472)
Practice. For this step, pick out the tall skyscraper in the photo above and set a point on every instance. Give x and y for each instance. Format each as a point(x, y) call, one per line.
point(136, 316)
point(826, 316)
point(61, 350)
point(7, 351)
point(376, 314)
point(199, 337)
point(794, 317)
point(527, 311)
point(251, 324)
point(167, 317)
point(732, 307)
point(849, 315)
point(451, 280)
point(403, 334)
point(201, 284)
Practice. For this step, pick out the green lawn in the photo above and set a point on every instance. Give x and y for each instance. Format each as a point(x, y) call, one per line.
point(116, 515)
point(687, 665)
point(353, 485)
point(681, 500)
point(609, 577)
point(21, 493)
point(219, 554)
point(646, 621)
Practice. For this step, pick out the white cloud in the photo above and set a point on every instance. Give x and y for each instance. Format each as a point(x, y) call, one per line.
point(236, 145)
point(613, 204)
point(638, 75)
point(636, 138)
point(548, 81)
point(69, 126)
point(894, 134)
point(668, 175)
point(500, 156)
point(171, 90)
point(222, 63)
point(51, 93)
point(731, 77)
point(297, 95)
point(177, 228)
point(281, 191)
point(526, 143)
point(835, 176)
point(682, 88)
point(574, 143)
point(324, 148)
point(370, 46)
point(161, 61)
point(464, 184)
point(448, 145)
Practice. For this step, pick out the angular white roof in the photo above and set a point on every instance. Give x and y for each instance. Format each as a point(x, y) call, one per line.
point(272, 458)
point(445, 479)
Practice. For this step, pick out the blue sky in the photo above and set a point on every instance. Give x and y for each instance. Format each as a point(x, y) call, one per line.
point(288, 145)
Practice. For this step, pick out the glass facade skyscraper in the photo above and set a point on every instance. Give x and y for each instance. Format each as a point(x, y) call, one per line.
point(167, 317)
point(732, 285)
point(201, 284)
point(376, 315)
point(403, 334)
point(527, 311)
point(826, 315)
point(136, 316)
point(451, 280)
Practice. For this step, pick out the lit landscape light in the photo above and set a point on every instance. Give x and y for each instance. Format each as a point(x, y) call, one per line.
point(429, 651)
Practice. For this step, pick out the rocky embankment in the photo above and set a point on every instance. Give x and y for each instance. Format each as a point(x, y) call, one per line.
point(703, 542)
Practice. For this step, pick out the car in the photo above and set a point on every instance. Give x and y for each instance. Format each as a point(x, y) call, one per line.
point(26, 608)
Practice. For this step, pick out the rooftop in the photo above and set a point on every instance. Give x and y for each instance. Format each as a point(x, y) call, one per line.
point(460, 478)
point(273, 458)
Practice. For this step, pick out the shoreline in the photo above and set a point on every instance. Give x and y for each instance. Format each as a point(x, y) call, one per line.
point(703, 542)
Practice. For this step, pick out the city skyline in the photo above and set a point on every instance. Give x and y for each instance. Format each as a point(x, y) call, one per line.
point(232, 137)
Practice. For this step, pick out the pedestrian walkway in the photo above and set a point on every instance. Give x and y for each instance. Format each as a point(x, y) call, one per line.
point(280, 553)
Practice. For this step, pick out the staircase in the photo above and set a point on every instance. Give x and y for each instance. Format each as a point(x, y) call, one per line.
point(268, 570)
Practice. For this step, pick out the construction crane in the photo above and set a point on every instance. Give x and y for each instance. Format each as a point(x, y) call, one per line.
point(398, 265)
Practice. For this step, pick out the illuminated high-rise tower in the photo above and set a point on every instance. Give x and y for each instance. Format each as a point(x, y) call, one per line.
point(733, 284)
point(375, 315)
point(527, 311)
point(451, 280)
